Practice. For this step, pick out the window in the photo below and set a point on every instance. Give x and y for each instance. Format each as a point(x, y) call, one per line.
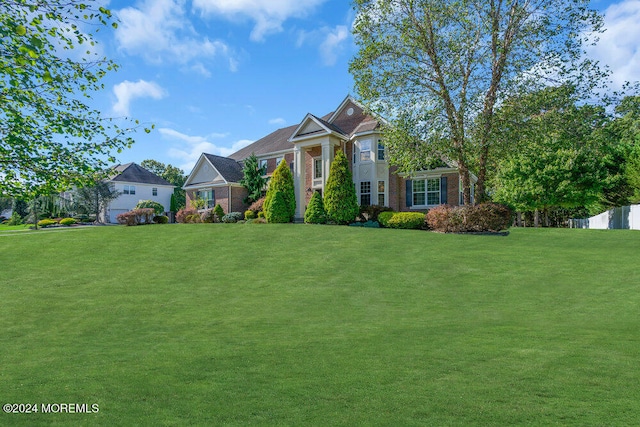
point(317, 168)
point(154, 191)
point(365, 150)
point(426, 192)
point(208, 195)
point(365, 193)
point(380, 150)
point(263, 165)
point(129, 189)
point(381, 193)
point(278, 160)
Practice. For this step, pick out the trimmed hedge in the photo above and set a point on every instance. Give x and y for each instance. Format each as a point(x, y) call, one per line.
point(67, 221)
point(384, 217)
point(406, 220)
point(485, 217)
point(47, 222)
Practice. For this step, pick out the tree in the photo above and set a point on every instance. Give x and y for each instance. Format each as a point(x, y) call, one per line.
point(315, 213)
point(50, 138)
point(253, 179)
point(280, 201)
point(437, 69)
point(172, 174)
point(340, 199)
point(94, 198)
point(552, 153)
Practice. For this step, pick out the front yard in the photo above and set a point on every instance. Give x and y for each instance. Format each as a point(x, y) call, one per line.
point(239, 324)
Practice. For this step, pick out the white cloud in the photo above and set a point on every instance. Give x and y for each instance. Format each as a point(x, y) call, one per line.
point(333, 44)
point(191, 147)
point(278, 121)
point(128, 91)
point(330, 42)
point(619, 46)
point(268, 15)
point(159, 31)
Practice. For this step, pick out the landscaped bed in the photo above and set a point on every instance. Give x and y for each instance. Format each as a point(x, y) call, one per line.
point(320, 325)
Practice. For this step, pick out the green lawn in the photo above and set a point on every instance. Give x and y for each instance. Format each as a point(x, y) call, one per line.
point(209, 324)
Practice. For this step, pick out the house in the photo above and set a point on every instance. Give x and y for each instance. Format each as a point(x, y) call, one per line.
point(135, 183)
point(309, 148)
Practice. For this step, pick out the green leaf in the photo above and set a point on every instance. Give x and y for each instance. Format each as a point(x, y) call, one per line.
point(21, 30)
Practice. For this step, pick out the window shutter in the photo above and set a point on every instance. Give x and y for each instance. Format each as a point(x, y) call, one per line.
point(409, 194)
point(443, 190)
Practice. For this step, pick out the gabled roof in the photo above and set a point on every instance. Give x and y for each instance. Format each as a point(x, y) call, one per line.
point(274, 142)
point(319, 126)
point(347, 120)
point(230, 170)
point(132, 172)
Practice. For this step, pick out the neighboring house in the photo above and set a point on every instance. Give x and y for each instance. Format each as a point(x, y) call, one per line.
point(309, 148)
point(135, 183)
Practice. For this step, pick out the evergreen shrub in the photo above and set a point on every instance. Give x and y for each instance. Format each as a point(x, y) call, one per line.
point(46, 222)
point(15, 219)
point(315, 213)
point(67, 221)
point(218, 211)
point(161, 219)
point(406, 220)
point(384, 218)
point(280, 208)
point(249, 214)
point(340, 200)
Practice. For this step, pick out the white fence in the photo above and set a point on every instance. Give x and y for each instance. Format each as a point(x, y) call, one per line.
point(625, 218)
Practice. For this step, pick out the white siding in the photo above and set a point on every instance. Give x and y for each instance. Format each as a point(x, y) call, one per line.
point(126, 202)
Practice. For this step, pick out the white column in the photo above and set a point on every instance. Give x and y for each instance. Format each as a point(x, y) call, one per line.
point(327, 158)
point(299, 180)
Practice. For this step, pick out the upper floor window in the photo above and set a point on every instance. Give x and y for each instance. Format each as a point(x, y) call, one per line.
point(278, 160)
point(380, 150)
point(154, 191)
point(263, 165)
point(129, 189)
point(365, 150)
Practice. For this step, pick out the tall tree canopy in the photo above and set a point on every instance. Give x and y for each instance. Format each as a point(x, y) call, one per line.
point(49, 137)
point(436, 69)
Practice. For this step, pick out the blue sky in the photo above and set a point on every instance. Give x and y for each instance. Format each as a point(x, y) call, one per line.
point(215, 75)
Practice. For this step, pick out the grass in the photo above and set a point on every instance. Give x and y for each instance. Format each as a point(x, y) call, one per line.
point(312, 325)
point(4, 227)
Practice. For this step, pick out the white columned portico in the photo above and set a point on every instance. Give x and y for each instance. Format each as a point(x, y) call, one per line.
point(299, 180)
